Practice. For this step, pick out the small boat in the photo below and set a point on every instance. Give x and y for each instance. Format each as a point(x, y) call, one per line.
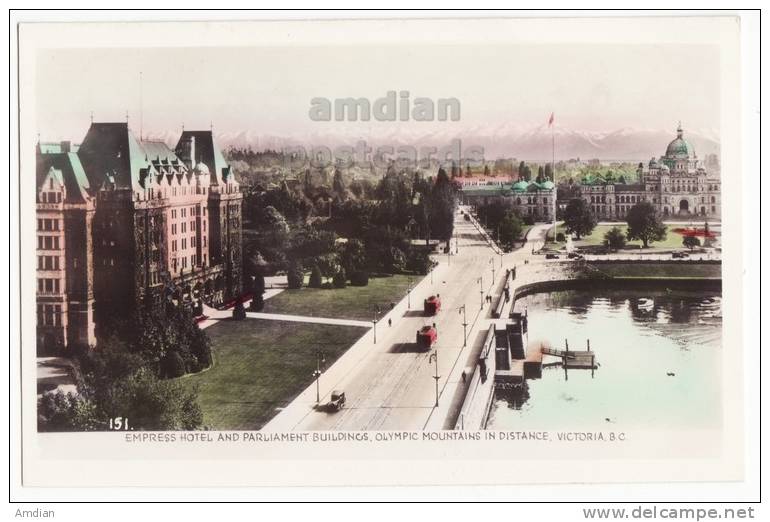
point(645, 303)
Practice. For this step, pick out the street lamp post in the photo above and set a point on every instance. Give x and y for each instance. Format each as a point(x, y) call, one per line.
point(481, 291)
point(434, 358)
point(409, 294)
point(320, 359)
point(465, 327)
point(374, 322)
point(492, 262)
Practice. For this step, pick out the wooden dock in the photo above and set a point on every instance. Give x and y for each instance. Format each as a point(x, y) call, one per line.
point(573, 359)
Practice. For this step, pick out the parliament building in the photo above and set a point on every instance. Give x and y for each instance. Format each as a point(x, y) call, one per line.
point(676, 184)
point(124, 222)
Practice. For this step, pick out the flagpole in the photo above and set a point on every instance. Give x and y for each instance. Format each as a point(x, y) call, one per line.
point(553, 173)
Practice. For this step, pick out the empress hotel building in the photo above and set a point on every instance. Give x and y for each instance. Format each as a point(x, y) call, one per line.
point(123, 222)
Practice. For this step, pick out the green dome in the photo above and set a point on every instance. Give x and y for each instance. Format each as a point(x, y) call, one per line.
point(546, 185)
point(520, 186)
point(680, 148)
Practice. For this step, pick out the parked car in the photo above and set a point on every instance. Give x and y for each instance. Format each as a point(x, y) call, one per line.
point(574, 255)
point(337, 400)
point(551, 256)
point(680, 255)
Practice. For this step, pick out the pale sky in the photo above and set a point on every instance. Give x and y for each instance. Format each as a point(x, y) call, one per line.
point(268, 90)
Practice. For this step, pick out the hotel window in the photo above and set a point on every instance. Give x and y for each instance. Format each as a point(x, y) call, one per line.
point(192, 260)
point(184, 243)
point(184, 228)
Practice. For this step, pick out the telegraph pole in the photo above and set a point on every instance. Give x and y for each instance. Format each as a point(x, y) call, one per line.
point(465, 327)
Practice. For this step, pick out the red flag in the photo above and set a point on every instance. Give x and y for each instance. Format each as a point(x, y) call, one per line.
point(550, 120)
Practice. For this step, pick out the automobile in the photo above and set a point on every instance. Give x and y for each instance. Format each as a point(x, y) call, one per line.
point(574, 255)
point(432, 305)
point(551, 256)
point(426, 336)
point(680, 255)
point(337, 400)
point(466, 217)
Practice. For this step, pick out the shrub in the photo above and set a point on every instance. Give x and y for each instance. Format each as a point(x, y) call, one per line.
point(339, 280)
point(58, 411)
point(294, 276)
point(315, 278)
point(395, 261)
point(418, 262)
point(173, 365)
point(359, 278)
point(691, 242)
point(257, 303)
point(239, 312)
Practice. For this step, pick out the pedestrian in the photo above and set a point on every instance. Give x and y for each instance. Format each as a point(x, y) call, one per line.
point(463, 375)
point(390, 321)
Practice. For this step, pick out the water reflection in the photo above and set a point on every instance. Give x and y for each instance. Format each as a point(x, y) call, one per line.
point(658, 351)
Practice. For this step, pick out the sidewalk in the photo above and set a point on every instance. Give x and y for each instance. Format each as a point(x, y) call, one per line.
point(304, 403)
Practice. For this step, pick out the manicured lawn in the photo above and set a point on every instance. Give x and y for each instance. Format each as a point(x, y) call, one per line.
point(352, 302)
point(260, 366)
point(673, 240)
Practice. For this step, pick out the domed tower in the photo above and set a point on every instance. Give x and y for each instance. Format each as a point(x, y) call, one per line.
point(680, 154)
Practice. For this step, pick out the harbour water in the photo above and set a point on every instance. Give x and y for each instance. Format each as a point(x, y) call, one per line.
point(659, 353)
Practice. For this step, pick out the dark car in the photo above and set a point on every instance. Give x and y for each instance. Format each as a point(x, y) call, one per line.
point(337, 400)
point(574, 255)
point(551, 256)
point(680, 255)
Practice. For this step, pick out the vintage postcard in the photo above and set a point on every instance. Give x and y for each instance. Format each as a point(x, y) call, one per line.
point(393, 252)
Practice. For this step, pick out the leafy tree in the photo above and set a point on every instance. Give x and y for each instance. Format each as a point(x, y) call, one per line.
point(522, 170)
point(352, 255)
point(540, 174)
point(486, 171)
point(691, 242)
point(578, 218)
point(645, 224)
point(614, 238)
point(510, 230)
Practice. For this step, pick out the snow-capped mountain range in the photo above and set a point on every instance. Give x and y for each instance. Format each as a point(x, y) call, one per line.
point(507, 140)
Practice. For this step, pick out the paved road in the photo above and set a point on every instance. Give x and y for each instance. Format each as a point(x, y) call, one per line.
point(389, 385)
